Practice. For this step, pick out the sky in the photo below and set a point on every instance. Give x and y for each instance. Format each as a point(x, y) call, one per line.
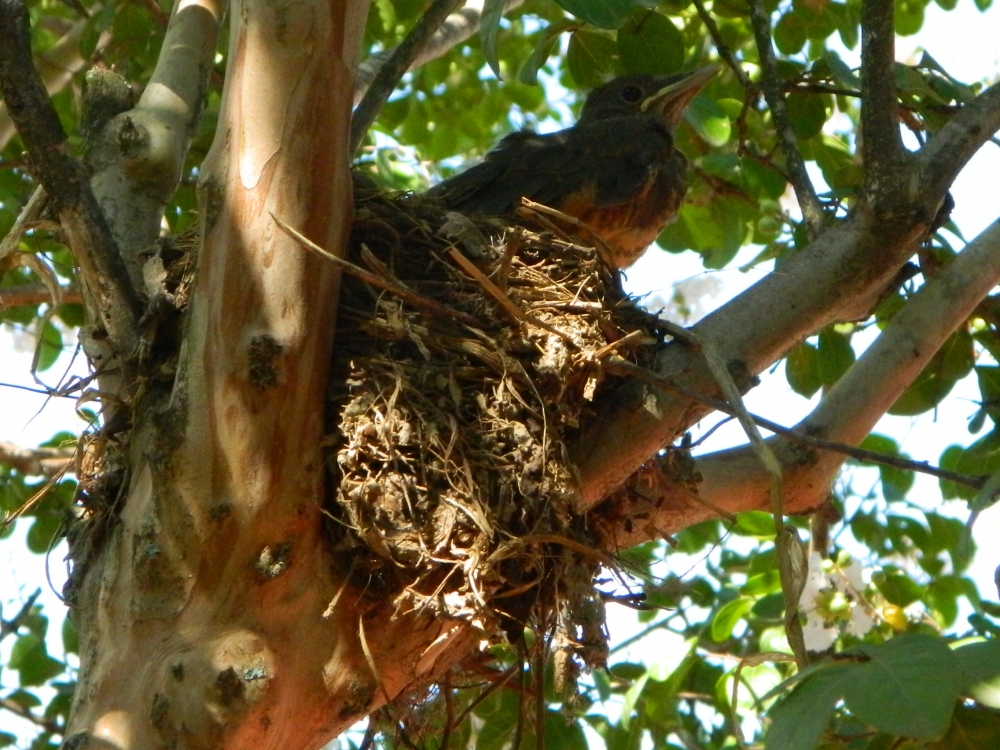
point(966, 43)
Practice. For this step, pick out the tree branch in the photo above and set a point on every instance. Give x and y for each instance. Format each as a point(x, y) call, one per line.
point(392, 69)
point(834, 277)
point(116, 302)
point(139, 156)
point(57, 67)
point(723, 49)
point(837, 277)
point(881, 142)
point(770, 78)
point(794, 434)
point(734, 480)
point(458, 27)
point(950, 149)
point(36, 462)
point(11, 626)
point(17, 709)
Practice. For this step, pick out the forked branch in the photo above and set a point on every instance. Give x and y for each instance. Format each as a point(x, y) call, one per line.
point(114, 299)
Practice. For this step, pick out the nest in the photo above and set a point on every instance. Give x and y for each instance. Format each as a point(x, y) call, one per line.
point(469, 354)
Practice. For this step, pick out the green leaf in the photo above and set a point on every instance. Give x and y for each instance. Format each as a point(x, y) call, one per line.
point(733, 8)
point(895, 482)
point(71, 644)
point(802, 370)
point(898, 588)
point(650, 43)
point(31, 660)
point(543, 48)
point(909, 16)
point(762, 584)
point(768, 180)
point(951, 363)
point(489, 30)
point(606, 14)
point(72, 314)
point(806, 114)
point(841, 72)
point(834, 355)
point(42, 533)
point(562, 733)
point(907, 687)
point(799, 720)
point(591, 58)
point(790, 34)
point(979, 669)
point(708, 120)
point(499, 715)
point(49, 346)
point(727, 617)
point(631, 698)
point(756, 523)
point(972, 728)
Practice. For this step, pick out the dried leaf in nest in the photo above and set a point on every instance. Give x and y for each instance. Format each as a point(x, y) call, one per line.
point(464, 384)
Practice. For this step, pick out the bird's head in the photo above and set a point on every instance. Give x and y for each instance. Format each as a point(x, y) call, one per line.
point(664, 96)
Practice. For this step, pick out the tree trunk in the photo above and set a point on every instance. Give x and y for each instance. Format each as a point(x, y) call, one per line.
point(204, 615)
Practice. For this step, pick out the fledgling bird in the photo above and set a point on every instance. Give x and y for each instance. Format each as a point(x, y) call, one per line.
point(616, 169)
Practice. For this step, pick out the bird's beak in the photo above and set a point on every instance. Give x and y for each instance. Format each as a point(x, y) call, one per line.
point(670, 101)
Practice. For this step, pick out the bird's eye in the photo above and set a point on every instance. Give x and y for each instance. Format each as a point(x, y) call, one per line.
point(631, 94)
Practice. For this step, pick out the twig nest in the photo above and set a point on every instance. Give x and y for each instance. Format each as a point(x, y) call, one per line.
point(471, 354)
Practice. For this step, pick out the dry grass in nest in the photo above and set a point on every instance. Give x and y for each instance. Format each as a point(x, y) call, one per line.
point(467, 360)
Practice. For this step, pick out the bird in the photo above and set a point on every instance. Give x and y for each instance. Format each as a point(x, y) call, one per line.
point(616, 169)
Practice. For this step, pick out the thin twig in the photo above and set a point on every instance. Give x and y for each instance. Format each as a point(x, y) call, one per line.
point(600, 245)
point(8, 627)
point(720, 45)
point(501, 680)
point(393, 69)
point(735, 400)
point(374, 279)
point(619, 366)
point(504, 301)
point(458, 27)
point(16, 708)
point(363, 641)
point(770, 78)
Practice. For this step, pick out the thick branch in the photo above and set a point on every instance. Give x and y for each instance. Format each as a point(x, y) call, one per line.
point(837, 277)
point(836, 273)
point(35, 462)
point(139, 157)
point(770, 78)
point(882, 145)
point(458, 27)
point(795, 435)
point(66, 181)
point(734, 480)
point(950, 149)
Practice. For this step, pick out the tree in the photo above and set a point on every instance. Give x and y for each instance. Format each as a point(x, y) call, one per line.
point(212, 610)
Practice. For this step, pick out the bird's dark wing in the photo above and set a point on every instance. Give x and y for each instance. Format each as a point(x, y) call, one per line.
point(611, 160)
point(496, 184)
